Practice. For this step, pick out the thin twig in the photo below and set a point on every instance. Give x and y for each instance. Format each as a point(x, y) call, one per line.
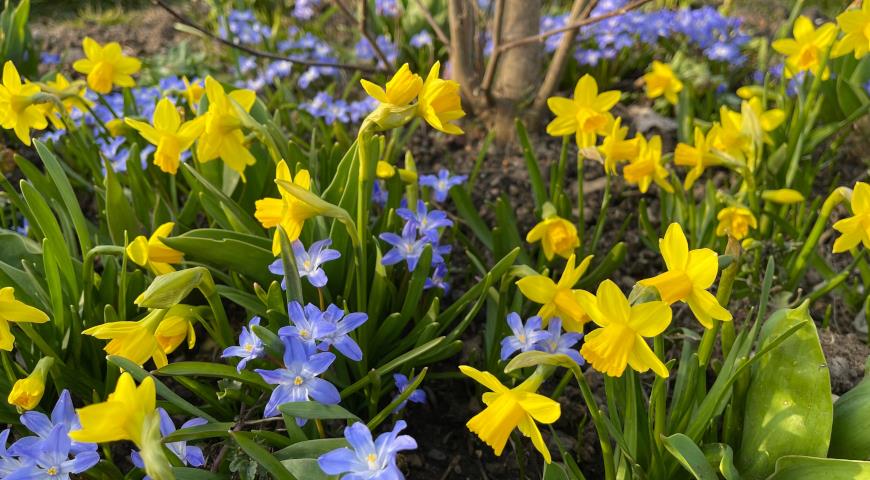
point(567, 28)
point(259, 53)
point(496, 43)
point(364, 31)
point(442, 37)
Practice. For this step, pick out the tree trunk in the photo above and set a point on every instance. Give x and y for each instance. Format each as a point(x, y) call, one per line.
point(463, 53)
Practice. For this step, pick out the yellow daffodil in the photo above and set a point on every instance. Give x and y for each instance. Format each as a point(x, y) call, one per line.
point(137, 341)
point(662, 81)
point(384, 170)
point(647, 166)
point(856, 25)
point(73, 99)
point(769, 120)
point(288, 211)
point(27, 392)
point(128, 414)
point(620, 340)
point(152, 253)
point(507, 409)
point(105, 66)
point(168, 134)
point(615, 148)
point(805, 51)
point(222, 136)
point(690, 273)
point(586, 116)
point(698, 156)
point(175, 327)
point(855, 229)
point(728, 135)
point(193, 91)
point(439, 103)
point(18, 111)
point(783, 196)
point(557, 235)
point(401, 90)
point(736, 222)
point(12, 310)
point(558, 299)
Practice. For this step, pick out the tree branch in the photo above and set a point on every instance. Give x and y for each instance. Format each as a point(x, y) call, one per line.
point(362, 29)
point(259, 53)
point(575, 25)
point(442, 37)
point(496, 41)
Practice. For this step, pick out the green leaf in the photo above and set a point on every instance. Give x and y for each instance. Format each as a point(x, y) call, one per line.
point(71, 203)
point(262, 456)
point(188, 473)
point(306, 468)
point(237, 252)
point(310, 448)
point(470, 213)
point(788, 404)
point(199, 432)
point(213, 370)
point(850, 435)
point(722, 455)
point(690, 456)
point(120, 216)
point(314, 410)
point(539, 190)
point(794, 467)
point(554, 471)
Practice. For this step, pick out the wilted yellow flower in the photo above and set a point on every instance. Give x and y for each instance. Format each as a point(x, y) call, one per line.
point(587, 115)
point(620, 340)
point(152, 253)
point(557, 235)
point(175, 327)
point(783, 196)
point(856, 24)
point(557, 299)
point(690, 273)
point(439, 102)
point(105, 66)
point(662, 81)
point(193, 91)
point(855, 229)
point(507, 409)
point(288, 211)
point(222, 136)
point(615, 148)
point(698, 156)
point(647, 166)
point(735, 221)
point(806, 49)
point(18, 111)
point(27, 392)
point(12, 310)
point(401, 90)
point(168, 134)
point(135, 341)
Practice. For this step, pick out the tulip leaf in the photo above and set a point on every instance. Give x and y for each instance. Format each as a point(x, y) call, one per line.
point(795, 467)
point(690, 456)
point(268, 461)
point(850, 435)
point(236, 252)
point(306, 468)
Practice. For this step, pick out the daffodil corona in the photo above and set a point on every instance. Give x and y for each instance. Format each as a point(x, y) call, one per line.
point(557, 235)
point(647, 167)
point(168, 134)
point(736, 222)
point(808, 47)
point(106, 65)
point(558, 299)
point(587, 115)
point(662, 81)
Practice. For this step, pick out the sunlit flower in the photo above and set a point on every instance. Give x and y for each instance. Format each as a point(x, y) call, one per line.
point(736, 222)
point(507, 409)
point(647, 167)
point(402, 384)
point(525, 338)
point(222, 136)
point(309, 263)
point(439, 102)
point(783, 196)
point(168, 134)
point(855, 229)
point(193, 91)
point(615, 148)
point(12, 310)
point(18, 111)
point(442, 183)
point(805, 51)
point(558, 299)
point(557, 235)
point(587, 115)
point(135, 341)
point(698, 157)
point(27, 392)
point(561, 343)
point(288, 212)
point(384, 170)
point(105, 66)
point(728, 135)
point(367, 459)
point(620, 340)
point(121, 416)
point(152, 253)
point(50, 459)
point(662, 81)
point(856, 25)
point(177, 326)
point(690, 273)
point(401, 90)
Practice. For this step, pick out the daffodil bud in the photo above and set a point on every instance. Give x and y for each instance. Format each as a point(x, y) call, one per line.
point(28, 391)
point(388, 116)
point(407, 176)
point(170, 289)
point(385, 170)
point(783, 196)
point(176, 326)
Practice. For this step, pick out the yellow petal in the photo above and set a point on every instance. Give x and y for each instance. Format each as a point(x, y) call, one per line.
point(675, 248)
point(486, 379)
point(537, 288)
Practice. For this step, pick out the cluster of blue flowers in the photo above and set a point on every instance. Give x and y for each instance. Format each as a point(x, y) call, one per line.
point(242, 26)
point(368, 459)
point(531, 337)
point(332, 110)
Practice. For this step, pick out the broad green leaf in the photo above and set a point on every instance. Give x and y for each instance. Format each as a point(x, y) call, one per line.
point(306, 468)
point(238, 253)
point(554, 471)
point(794, 467)
point(690, 456)
point(71, 203)
point(214, 370)
point(850, 435)
point(312, 410)
point(310, 448)
point(262, 456)
point(722, 455)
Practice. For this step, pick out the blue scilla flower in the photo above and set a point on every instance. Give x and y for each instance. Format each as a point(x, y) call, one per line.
point(387, 8)
point(250, 346)
point(561, 343)
point(427, 223)
point(437, 279)
point(442, 183)
point(187, 454)
point(308, 262)
point(8, 463)
point(298, 381)
point(115, 152)
point(308, 326)
point(308, 77)
point(380, 195)
point(406, 247)
point(46, 58)
point(421, 39)
point(42, 425)
point(525, 338)
point(305, 9)
point(367, 459)
point(340, 336)
point(50, 458)
point(402, 383)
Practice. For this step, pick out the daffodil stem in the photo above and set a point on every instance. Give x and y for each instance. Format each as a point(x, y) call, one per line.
point(723, 295)
point(600, 427)
point(88, 272)
point(364, 187)
point(659, 395)
point(581, 222)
